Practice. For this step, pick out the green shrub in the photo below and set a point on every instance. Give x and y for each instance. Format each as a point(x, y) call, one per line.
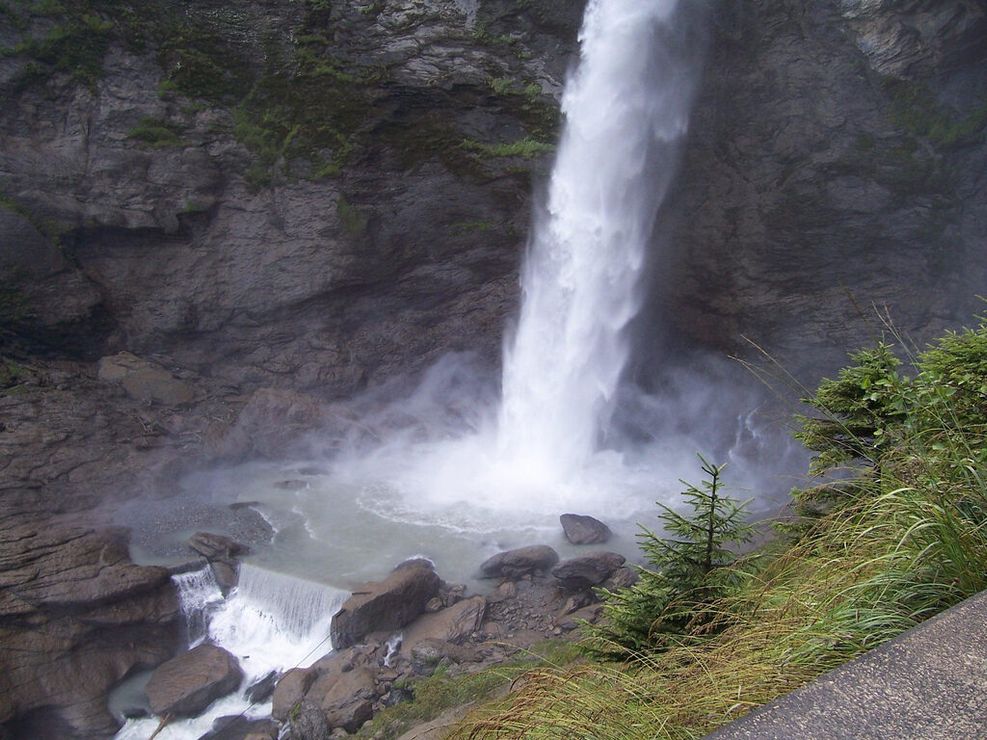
point(75, 47)
point(689, 569)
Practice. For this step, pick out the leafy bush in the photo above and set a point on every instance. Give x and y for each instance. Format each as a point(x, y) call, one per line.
point(75, 47)
point(872, 413)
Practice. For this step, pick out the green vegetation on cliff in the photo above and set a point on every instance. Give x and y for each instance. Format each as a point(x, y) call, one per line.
point(295, 86)
point(867, 556)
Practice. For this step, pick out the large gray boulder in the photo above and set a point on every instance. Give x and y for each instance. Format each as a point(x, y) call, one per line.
point(290, 690)
point(587, 571)
point(214, 546)
point(385, 605)
point(347, 698)
point(186, 685)
point(238, 727)
point(584, 530)
point(519, 562)
point(453, 624)
point(308, 722)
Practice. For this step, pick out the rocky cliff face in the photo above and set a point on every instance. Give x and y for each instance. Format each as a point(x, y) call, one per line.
point(313, 194)
point(836, 163)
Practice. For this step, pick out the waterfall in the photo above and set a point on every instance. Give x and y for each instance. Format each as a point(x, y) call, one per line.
point(275, 618)
point(626, 110)
point(271, 622)
point(198, 596)
point(543, 449)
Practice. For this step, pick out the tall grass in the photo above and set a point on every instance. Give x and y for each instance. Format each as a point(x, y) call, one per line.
point(906, 540)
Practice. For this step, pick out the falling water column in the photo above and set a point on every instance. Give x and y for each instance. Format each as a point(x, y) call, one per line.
point(626, 110)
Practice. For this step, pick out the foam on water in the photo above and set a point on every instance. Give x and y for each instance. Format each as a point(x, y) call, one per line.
point(270, 622)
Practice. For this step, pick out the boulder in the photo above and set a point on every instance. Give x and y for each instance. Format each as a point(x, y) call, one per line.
point(587, 571)
point(623, 577)
point(238, 727)
point(584, 530)
point(517, 563)
point(586, 614)
point(453, 624)
point(385, 605)
point(308, 722)
point(348, 702)
point(186, 685)
point(144, 380)
point(226, 573)
point(214, 546)
point(290, 690)
point(576, 602)
point(262, 689)
point(221, 552)
point(505, 591)
point(428, 653)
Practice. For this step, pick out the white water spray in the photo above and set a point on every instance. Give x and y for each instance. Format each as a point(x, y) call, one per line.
point(625, 108)
point(198, 596)
point(270, 622)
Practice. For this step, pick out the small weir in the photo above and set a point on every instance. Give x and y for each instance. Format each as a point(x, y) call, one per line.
point(270, 622)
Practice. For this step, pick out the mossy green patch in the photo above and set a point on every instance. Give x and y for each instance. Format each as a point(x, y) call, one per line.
point(312, 109)
point(526, 148)
point(200, 59)
point(352, 218)
point(12, 373)
point(442, 691)
point(156, 132)
point(916, 109)
point(75, 47)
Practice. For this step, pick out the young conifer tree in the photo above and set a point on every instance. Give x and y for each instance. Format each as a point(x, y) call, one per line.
point(687, 569)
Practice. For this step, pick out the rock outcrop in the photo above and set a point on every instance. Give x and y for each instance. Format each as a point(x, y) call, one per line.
point(522, 561)
point(285, 196)
point(76, 616)
point(143, 380)
point(189, 683)
point(453, 624)
point(385, 605)
point(838, 161)
point(587, 571)
point(584, 530)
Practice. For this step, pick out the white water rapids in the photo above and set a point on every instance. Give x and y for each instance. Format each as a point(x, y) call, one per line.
point(269, 622)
